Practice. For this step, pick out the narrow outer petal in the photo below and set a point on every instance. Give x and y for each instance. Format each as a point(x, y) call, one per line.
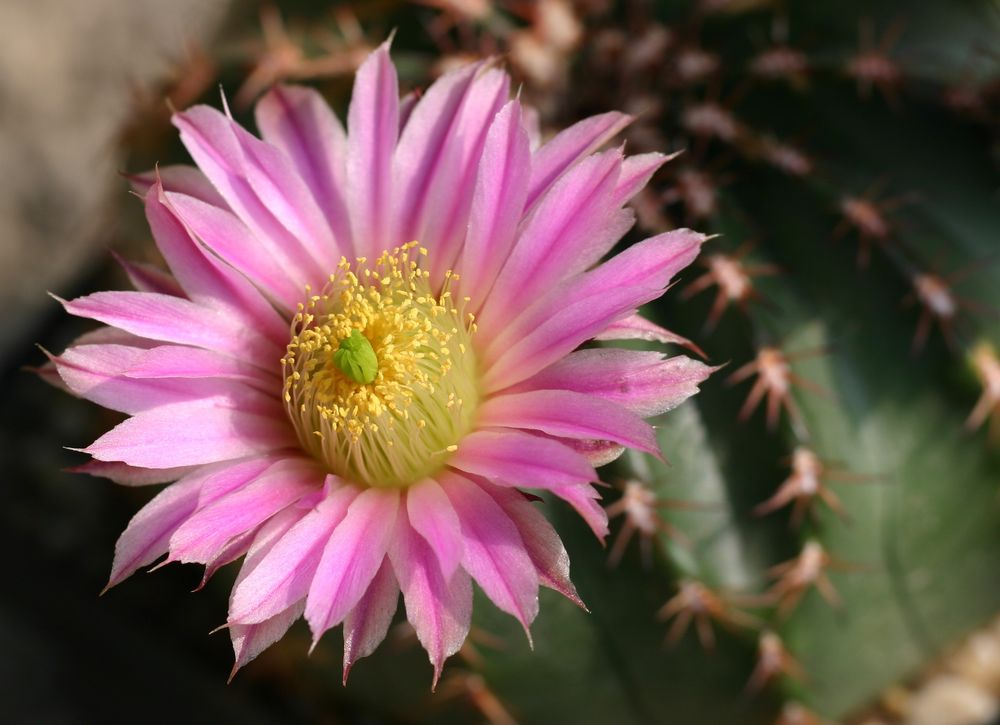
point(351, 558)
point(495, 554)
point(439, 609)
point(367, 624)
point(540, 540)
point(373, 128)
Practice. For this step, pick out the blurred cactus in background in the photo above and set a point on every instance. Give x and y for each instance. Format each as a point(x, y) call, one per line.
point(826, 529)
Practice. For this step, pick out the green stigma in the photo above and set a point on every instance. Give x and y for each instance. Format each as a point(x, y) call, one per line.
point(356, 359)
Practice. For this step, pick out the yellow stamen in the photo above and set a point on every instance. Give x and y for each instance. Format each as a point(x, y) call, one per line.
point(398, 421)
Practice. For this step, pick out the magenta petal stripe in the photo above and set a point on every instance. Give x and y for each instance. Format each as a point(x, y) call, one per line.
point(369, 344)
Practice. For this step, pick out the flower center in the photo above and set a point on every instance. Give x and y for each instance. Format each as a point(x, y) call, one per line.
point(380, 378)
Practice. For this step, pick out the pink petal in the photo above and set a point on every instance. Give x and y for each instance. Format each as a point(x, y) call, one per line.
point(299, 121)
point(636, 173)
point(204, 278)
point(367, 624)
point(495, 554)
point(187, 434)
point(207, 532)
point(636, 327)
point(520, 459)
point(580, 308)
point(176, 361)
point(283, 574)
point(148, 278)
point(597, 453)
point(97, 373)
point(426, 154)
point(449, 224)
point(351, 558)
point(249, 640)
point(439, 609)
point(172, 319)
point(497, 203)
point(406, 105)
point(585, 500)
point(569, 414)
point(147, 535)
point(541, 541)
point(574, 225)
point(265, 262)
point(568, 147)
point(373, 127)
point(130, 476)
point(180, 178)
point(261, 187)
point(431, 515)
point(646, 383)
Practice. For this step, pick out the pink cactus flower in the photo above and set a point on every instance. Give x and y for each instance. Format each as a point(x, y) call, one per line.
point(366, 347)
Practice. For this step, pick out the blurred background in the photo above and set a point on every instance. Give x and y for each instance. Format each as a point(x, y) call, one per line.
point(846, 153)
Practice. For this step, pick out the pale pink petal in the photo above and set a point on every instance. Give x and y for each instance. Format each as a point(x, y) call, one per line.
point(204, 278)
point(495, 555)
point(647, 383)
point(636, 173)
point(351, 558)
point(574, 225)
point(406, 105)
point(147, 535)
point(97, 373)
point(283, 575)
point(260, 185)
point(187, 434)
point(171, 319)
point(179, 178)
point(432, 516)
point(541, 541)
point(533, 127)
point(636, 327)
point(265, 262)
point(222, 479)
point(207, 532)
point(520, 459)
point(580, 308)
point(149, 278)
point(367, 624)
point(569, 414)
point(497, 203)
point(249, 640)
point(426, 154)
point(585, 500)
point(570, 146)
point(299, 121)
point(129, 475)
point(439, 609)
point(449, 224)
point(597, 453)
point(177, 361)
point(373, 127)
